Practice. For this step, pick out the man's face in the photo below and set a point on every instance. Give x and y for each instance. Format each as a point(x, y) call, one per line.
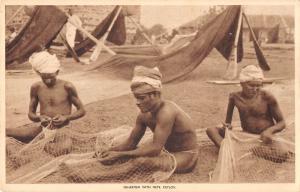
point(251, 88)
point(145, 102)
point(49, 78)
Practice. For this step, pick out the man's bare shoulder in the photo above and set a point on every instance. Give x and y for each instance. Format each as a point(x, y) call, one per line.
point(236, 94)
point(169, 107)
point(36, 85)
point(67, 85)
point(142, 118)
point(268, 96)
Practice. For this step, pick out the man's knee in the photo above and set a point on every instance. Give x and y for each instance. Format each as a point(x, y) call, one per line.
point(31, 133)
point(189, 168)
point(186, 162)
point(24, 134)
point(212, 131)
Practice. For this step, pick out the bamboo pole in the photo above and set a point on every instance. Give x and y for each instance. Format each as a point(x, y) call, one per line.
point(231, 71)
point(66, 44)
point(90, 36)
point(262, 63)
point(232, 82)
point(97, 50)
point(14, 15)
point(250, 28)
point(144, 34)
point(112, 24)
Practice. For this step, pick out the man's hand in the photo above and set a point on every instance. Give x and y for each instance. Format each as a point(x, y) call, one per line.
point(227, 125)
point(60, 120)
point(45, 120)
point(109, 157)
point(98, 154)
point(266, 137)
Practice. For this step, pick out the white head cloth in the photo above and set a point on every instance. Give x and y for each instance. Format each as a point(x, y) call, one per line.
point(146, 80)
point(251, 73)
point(44, 62)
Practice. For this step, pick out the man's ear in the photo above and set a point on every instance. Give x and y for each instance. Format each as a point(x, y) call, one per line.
point(57, 72)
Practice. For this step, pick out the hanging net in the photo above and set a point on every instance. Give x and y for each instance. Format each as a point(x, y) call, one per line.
point(244, 158)
point(64, 156)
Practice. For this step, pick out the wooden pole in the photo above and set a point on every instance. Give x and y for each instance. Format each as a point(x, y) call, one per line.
point(66, 44)
point(145, 35)
point(250, 28)
point(90, 36)
point(14, 15)
point(231, 71)
point(97, 50)
point(262, 61)
point(112, 24)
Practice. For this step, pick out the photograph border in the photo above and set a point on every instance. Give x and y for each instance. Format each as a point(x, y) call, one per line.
point(168, 186)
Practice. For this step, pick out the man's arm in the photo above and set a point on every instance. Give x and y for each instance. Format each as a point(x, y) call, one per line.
point(164, 125)
point(276, 115)
point(273, 107)
point(34, 100)
point(134, 137)
point(73, 96)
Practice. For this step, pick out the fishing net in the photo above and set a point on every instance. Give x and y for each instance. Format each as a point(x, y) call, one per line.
point(63, 155)
point(243, 157)
point(51, 159)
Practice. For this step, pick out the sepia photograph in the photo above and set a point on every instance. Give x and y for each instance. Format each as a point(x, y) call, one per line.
point(146, 94)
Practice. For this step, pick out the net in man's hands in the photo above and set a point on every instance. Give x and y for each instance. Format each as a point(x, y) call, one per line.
point(244, 158)
point(64, 156)
point(141, 169)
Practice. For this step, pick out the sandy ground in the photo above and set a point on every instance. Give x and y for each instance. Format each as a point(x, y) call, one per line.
point(206, 103)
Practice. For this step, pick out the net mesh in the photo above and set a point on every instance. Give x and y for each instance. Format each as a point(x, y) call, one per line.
point(244, 158)
point(66, 156)
point(63, 155)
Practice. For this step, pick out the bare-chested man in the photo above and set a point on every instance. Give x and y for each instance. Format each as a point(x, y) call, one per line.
point(258, 109)
point(172, 128)
point(55, 97)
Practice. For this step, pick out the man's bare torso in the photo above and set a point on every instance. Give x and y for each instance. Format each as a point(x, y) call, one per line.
point(54, 100)
point(183, 136)
point(255, 113)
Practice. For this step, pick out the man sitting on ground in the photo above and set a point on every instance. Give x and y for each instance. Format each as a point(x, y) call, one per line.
point(172, 128)
point(55, 97)
point(258, 109)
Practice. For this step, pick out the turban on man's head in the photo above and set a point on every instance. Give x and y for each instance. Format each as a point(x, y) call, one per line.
point(251, 73)
point(44, 62)
point(146, 80)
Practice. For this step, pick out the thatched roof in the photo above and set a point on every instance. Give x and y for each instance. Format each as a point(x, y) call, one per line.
point(256, 21)
point(269, 21)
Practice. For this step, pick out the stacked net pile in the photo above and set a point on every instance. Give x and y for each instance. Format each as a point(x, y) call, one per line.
point(243, 157)
point(55, 156)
